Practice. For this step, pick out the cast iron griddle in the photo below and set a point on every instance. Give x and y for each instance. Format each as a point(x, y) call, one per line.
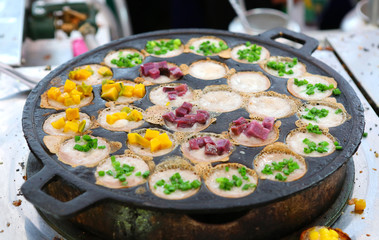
point(349, 134)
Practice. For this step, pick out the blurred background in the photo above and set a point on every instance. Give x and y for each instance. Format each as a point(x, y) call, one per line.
point(50, 32)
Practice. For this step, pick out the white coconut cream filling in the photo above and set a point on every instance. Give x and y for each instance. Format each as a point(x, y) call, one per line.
point(220, 101)
point(207, 70)
point(271, 106)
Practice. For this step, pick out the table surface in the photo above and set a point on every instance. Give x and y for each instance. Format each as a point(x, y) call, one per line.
point(23, 222)
point(360, 53)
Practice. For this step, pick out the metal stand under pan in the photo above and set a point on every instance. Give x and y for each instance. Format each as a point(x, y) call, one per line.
point(71, 230)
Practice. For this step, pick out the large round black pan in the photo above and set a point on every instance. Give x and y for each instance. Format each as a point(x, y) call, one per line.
point(349, 134)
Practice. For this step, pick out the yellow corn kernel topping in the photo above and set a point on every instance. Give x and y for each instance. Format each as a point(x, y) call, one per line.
point(108, 86)
point(121, 115)
point(105, 72)
point(69, 86)
point(143, 141)
point(314, 235)
point(134, 115)
point(155, 145)
point(160, 141)
point(71, 126)
point(139, 90)
point(75, 99)
point(59, 123)
point(150, 134)
point(110, 94)
point(323, 234)
point(128, 91)
point(53, 93)
point(72, 113)
point(165, 140)
point(76, 92)
point(360, 205)
point(69, 101)
point(111, 119)
point(81, 74)
point(85, 89)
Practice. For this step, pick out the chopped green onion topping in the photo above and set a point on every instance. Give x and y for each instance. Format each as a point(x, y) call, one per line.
point(207, 48)
point(281, 67)
point(162, 47)
point(121, 172)
point(338, 146)
point(91, 143)
point(365, 134)
point(336, 92)
point(177, 183)
point(226, 169)
point(287, 166)
point(313, 129)
point(315, 113)
point(321, 147)
point(146, 174)
point(310, 88)
point(280, 177)
point(160, 183)
point(227, 184)
point(248, 186)
point(338, 111)
point(300, 83)
point(252, 53)
point(267, 170)
point(130, 60)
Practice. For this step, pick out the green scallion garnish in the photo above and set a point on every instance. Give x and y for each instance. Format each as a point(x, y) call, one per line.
point(207, 48)
point(336, 92)
point(321, 147)
point(282, 67)
point(251, 53)
point(313, 129)
point(177, 183)
point(287, 166)
point(162, 47)
point(314, 113)
point(128, 61)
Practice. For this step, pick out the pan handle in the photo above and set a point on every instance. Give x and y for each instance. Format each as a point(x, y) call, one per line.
point(32, 190)
point(309, 44)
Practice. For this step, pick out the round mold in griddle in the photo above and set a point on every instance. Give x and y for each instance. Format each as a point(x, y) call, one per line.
point(95, 78)
point(326, 173)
